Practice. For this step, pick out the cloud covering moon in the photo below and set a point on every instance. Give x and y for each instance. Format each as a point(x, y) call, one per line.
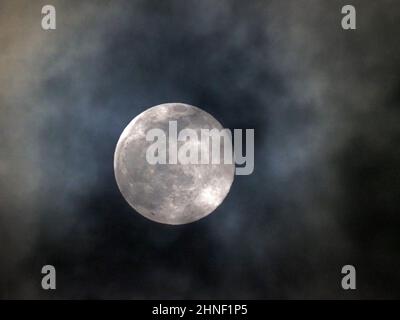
point(324, 103)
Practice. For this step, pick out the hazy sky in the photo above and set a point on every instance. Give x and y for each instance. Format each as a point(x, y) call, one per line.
point(324, 104)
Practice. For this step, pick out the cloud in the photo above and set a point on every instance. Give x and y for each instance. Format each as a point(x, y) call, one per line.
point(323, 105)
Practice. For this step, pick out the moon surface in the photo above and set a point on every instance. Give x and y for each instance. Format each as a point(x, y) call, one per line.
point(169, 193)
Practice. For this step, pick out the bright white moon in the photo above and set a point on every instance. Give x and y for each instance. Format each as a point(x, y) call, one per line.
point(169, 193)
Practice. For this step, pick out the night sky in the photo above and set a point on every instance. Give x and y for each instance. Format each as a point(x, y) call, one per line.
point(325, 107)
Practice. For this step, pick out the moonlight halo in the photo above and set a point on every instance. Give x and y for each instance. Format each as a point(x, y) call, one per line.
point(169, 193)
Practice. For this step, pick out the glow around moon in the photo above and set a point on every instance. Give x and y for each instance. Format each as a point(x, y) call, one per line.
point(169, 193)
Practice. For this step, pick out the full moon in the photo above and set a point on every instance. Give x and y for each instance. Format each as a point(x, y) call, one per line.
point(169, 193)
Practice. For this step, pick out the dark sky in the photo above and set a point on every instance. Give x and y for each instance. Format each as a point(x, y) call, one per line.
point(324, 104)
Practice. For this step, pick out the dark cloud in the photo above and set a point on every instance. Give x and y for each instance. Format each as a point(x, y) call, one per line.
point(324, 106)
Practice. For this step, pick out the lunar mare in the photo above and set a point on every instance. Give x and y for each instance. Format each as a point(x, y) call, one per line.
point(169, 193)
